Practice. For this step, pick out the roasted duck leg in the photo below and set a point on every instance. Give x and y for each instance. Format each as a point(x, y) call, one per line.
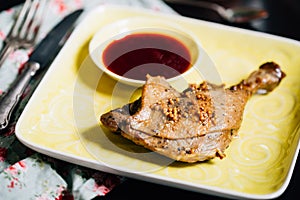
point(194, 125)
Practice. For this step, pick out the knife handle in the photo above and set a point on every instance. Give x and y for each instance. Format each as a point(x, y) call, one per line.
point(9, 101)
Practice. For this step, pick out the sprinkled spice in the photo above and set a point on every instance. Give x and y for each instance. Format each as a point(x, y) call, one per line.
point(204, 102)
point(171, 110)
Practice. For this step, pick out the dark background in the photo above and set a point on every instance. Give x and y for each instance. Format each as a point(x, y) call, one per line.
point(283, 20)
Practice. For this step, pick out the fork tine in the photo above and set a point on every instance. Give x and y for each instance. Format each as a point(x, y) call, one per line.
point(25, 29)
point(28, 19)
point(36, 24)
point(9, 41)
point(20, 19)
point(31, 24)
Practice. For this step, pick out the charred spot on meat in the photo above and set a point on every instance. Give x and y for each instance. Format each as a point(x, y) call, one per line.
point(194, 125)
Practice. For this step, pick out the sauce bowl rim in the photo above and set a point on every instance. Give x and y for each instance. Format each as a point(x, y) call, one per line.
point(141, 25)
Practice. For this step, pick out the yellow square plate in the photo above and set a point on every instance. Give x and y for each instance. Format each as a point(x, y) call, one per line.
point(62, 117)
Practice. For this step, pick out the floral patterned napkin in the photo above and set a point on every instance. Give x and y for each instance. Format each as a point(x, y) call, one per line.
point(24, 173)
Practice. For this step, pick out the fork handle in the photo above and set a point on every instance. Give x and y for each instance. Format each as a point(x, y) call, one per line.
point(202, 4)
point(9, 101)
point(7, 49)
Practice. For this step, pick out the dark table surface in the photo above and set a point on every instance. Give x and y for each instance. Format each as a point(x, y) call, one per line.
point(283, 20)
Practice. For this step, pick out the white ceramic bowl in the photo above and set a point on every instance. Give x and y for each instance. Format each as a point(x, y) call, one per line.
point(120, 29)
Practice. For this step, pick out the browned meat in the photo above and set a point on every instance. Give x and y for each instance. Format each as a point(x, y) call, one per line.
point(194, 125)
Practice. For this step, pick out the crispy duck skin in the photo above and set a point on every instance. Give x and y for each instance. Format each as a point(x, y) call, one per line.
point(194, 125)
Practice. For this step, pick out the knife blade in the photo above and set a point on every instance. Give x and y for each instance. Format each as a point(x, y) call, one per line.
point(40, 58)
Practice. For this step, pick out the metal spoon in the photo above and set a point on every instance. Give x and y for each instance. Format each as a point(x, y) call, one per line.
point(233, 15)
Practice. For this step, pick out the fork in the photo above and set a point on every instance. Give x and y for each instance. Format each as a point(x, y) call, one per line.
point(242, 14)
point(25, 30)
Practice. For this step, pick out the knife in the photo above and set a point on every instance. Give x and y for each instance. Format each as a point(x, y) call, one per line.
point(40, 58)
